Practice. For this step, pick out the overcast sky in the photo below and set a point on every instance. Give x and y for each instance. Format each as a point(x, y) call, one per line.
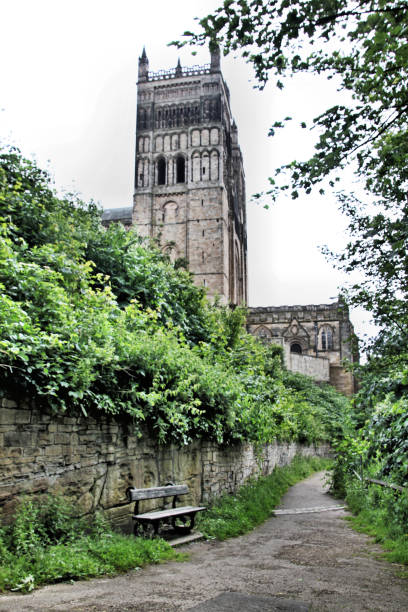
point(68, 98)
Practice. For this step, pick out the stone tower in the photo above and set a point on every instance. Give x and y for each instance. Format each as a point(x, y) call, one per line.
point(189, 176)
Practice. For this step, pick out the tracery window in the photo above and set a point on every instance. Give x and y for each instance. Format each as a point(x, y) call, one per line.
point(326, 339)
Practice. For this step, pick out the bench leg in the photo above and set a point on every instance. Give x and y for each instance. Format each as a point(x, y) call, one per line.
point(146, 530)
point(188, 522)
point(137, 529)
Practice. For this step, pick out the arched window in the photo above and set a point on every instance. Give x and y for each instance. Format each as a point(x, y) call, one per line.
point(296, 348)
point(170, 210)
point(161, 171)
point(326, 339)
point(205, 166)
point(181, 169)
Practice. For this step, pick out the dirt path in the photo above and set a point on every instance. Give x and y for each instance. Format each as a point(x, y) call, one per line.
point(298, 562)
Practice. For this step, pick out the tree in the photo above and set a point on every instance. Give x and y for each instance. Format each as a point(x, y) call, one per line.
point(363, 46)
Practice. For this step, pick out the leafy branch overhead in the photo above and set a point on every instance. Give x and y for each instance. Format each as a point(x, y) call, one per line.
point(363, 45)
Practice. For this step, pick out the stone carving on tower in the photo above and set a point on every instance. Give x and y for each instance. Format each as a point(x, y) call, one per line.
point(189, 176)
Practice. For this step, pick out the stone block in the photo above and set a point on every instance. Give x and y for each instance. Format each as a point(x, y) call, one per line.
point(8, 403)
point(23, 416)
point(17, 438)
point(7, 416)
point(62, 438)
point(55, 450)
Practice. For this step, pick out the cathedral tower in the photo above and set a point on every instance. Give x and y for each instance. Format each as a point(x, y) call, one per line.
point(189, 176)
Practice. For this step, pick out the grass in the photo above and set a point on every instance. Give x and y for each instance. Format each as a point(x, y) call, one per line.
point(234, 515)
point(48, 544)
point(382, 514)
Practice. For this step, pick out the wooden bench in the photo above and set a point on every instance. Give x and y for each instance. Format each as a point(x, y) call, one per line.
point(148, 524)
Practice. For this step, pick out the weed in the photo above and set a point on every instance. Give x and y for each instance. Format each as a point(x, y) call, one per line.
point(381, 514)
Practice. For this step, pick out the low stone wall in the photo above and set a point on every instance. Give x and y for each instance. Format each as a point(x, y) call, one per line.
point(93, 461)
point(317, 368)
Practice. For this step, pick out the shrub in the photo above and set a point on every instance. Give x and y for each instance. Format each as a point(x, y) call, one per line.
point(48, 543)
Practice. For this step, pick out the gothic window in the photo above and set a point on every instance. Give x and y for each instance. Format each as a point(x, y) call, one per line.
point(166, 143)
point(179, 116)
point(214, 136)
point(146, 173)
point(205, 137)
point(159, 143)
point(140, 147)
point(205, 167)
point(146, 144)
point(183, 141)
point(170, 211)
point(195, 138)
point(296, 348)
point(206, 107)
point(161, 171)
point(214, 166)
point(326, 339)
point(140, 173)
point(174, 142)
point(215, 110)
point(196, 167)
point(196, 114)
point(180, 169)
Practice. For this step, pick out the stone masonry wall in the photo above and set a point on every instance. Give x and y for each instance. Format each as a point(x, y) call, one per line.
point(93, 461)
point(317, 368)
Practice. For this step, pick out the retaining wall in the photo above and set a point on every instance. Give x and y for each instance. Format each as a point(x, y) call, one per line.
point(317, 368)
point(93, 461)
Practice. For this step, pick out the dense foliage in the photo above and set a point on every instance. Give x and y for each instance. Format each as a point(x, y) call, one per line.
point(93, 319)
point(48, 543)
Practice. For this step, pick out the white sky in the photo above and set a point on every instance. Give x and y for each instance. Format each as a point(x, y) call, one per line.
point(68, 98)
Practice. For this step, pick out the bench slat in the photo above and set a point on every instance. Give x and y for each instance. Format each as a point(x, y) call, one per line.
point(171, 512)
point(155, 492)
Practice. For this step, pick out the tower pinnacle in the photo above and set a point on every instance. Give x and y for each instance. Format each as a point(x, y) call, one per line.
point(143, 66)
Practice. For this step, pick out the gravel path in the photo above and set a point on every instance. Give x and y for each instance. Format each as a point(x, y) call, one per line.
point(295, 561)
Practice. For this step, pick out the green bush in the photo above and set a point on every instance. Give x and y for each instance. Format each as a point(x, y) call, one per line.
point(48, 543)
point(97, 320)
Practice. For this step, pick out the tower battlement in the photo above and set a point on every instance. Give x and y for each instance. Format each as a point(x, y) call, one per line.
point(172, 73)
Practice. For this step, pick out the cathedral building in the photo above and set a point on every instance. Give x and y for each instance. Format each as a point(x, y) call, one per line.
point(316, 339)
point(189, 176)
point(189, 195)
